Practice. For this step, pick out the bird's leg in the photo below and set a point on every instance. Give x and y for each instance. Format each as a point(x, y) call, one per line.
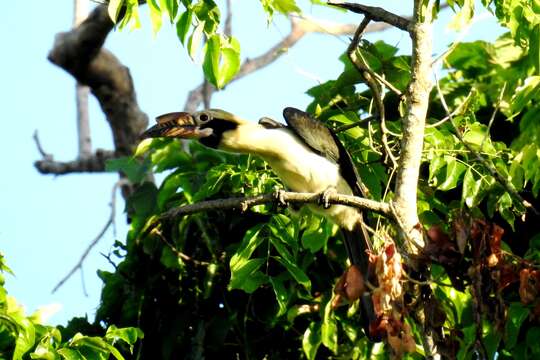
point(279, 196)
point(324, 199)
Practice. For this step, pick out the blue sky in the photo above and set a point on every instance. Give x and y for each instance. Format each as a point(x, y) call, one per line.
point(46, 222)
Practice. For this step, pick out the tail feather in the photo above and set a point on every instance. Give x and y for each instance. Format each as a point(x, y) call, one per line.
point(356, 244)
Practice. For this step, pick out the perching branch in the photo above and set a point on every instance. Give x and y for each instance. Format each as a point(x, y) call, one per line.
point(243, 203)
point(375, 13)
point(109, 223)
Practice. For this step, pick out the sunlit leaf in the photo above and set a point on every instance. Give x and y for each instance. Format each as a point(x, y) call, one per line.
point(311, 340)
point(329, 329)
point(183, 25)
point(114, 9)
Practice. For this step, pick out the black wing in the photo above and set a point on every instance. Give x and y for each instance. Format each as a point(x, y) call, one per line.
point(325, 143)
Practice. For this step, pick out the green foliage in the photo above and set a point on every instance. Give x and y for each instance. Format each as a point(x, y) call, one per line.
point(26, 337)
point(223, 284)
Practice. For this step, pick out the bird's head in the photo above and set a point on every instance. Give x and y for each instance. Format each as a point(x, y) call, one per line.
point(207, 125)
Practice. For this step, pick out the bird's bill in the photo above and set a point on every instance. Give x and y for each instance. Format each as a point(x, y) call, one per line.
point(176, 125)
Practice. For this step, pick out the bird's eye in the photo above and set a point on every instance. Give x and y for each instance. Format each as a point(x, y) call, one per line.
point(204, 117)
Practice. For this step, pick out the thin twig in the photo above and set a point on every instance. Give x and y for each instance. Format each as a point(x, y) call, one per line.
point(96, 240)
point(46, 156)
point(354, 124)
point(492, 118)
point(177, 252)
point(368, 75)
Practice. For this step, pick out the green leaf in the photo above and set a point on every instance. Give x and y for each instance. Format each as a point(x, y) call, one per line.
point(282, 295)
point(171, 7)
point(329, 335)
point(525, 93)
point(245, 275)
point(156, 17)
point(298, 274)
point(517, 313)
point(315, 235)
point(134, 169)
point(208, 12)
point(312, 340)
point(463, 17)
point(114, 9)
point(230, 61)
point(129, 335)
point(504, 206)
point(533, 334)
point(183, 25)
point(244, 271)
point(70, 354)
point(534, 48)
point(454, 170)
point(26, 338)
point(221, 60)
point(143, 200)
point(194, 41)
point(471, 188)
point(286, 6)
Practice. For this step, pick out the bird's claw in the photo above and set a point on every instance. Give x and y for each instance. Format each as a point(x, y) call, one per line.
point(279, 195)
point(324, 199)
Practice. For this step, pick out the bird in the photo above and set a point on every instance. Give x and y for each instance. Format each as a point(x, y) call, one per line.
point(306, 155)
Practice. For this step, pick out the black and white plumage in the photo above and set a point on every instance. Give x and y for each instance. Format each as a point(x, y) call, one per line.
point(305, 154)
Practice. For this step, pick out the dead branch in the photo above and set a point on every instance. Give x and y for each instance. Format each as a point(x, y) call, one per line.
point(93, 243)
point(81, 92)
point(375, 13)
point(90, 164)
point(80, 53)
point(243, 203)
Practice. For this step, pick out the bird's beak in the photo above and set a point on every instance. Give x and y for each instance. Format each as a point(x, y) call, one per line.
point(176, 125)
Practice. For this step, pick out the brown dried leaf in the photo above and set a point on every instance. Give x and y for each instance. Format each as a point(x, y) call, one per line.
point(529, 285)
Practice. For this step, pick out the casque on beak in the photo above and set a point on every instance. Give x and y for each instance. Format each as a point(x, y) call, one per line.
point(176, 125)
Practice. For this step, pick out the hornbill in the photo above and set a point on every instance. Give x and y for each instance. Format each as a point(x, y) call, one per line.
point(307, 157)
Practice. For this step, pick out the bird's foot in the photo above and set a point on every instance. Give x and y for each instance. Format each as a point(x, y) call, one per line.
point(279, 196)
point(324, 199)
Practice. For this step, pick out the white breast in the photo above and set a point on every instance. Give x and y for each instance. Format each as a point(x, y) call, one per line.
point(295, 163)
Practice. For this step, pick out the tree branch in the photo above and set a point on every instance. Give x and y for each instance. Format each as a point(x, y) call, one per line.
point(89, 164)
point(80, 53)
point(412, 142)
point(375, 13)
point(243, 203)
point(110, 221)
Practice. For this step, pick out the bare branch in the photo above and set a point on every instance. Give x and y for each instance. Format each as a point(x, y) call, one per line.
point(110, 221)
point(91, 164)
point(243, 203)
point(374, 13)
point(81, 92)
point(45, 155)
point(80, 53)
point(413, 126)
